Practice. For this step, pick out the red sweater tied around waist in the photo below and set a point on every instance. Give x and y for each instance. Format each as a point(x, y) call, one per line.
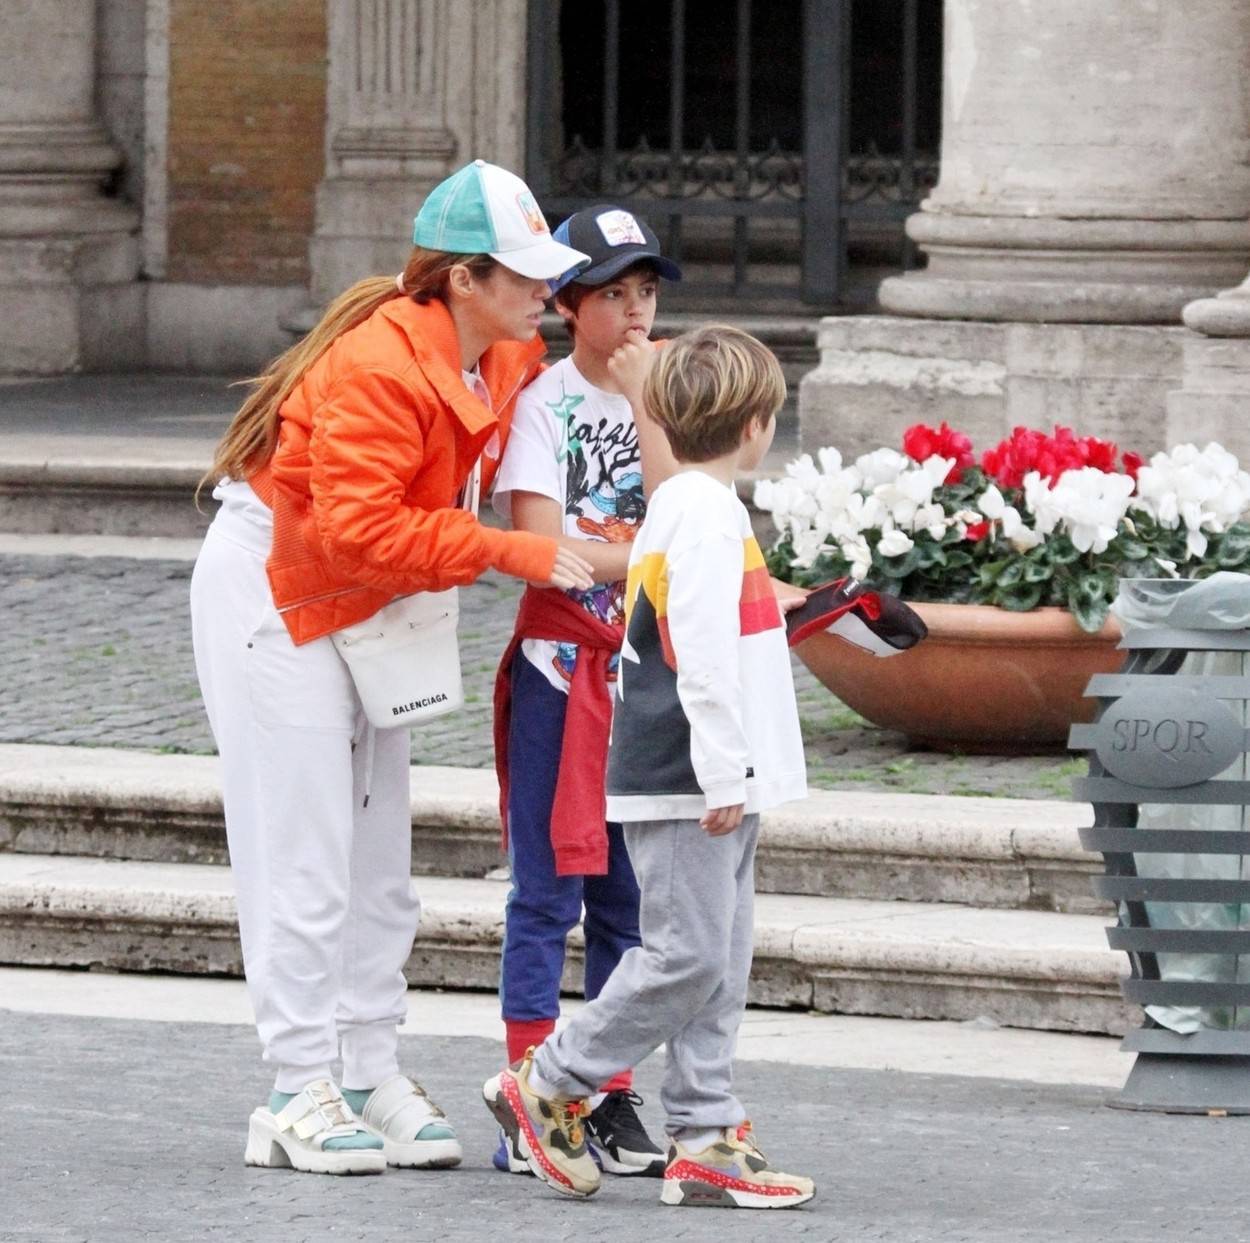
point(579, 834)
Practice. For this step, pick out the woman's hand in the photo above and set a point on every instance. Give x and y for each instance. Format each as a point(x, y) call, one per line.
point(570, 572)
point(788, 595)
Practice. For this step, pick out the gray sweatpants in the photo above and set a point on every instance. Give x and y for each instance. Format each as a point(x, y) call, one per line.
point(686, 984)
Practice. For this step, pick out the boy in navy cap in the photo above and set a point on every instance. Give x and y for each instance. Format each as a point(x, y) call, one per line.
point(572, 470)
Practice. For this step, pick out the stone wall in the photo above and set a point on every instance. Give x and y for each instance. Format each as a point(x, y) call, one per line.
point(878, 375)
point(245, 141)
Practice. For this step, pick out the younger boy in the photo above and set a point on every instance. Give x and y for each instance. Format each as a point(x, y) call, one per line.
point(705, 736)
point(572, 470)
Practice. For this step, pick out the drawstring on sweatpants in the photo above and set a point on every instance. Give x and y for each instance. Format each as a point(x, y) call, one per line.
point(369, 737)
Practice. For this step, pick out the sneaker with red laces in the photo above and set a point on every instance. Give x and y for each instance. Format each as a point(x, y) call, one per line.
point(731, 1173)
point(547, 1133)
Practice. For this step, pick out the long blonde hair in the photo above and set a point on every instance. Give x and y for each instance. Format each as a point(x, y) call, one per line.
point(252, 436)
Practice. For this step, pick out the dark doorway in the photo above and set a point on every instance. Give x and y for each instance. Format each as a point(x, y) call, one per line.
point(770, 144)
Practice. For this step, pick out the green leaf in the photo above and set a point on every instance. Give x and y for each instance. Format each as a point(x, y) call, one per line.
point(1234, 549)
point(1062, 550)
point(1091, 615)
point(990, 570)
point(1021, 598)
point(1089, 601)
point(1013, 573)
point(1089, 585)
point(930, 554)
point(1132, 549)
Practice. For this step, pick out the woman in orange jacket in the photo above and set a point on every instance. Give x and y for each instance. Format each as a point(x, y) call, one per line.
point(340, 482)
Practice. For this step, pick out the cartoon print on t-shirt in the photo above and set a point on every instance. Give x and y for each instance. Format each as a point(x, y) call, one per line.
point(603, 493)
point(562, 412)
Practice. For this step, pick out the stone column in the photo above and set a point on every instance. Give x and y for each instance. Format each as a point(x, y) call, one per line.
point(1095, 162)
point(416, 88)
point(68, 253)
point(1214, 402)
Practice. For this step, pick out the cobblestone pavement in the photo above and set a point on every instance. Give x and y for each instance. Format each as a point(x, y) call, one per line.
point(97, 652)
point(115, 1131)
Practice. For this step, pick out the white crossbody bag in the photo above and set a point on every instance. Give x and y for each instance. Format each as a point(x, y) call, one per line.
point(405, 659)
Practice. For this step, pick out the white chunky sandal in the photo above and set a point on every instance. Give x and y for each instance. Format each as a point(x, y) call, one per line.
point(399, 1109)
point(295, 1137)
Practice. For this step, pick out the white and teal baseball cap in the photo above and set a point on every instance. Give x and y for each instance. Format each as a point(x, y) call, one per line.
point(486, 210)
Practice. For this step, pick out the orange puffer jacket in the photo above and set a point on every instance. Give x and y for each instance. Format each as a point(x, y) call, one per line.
point(374, 446)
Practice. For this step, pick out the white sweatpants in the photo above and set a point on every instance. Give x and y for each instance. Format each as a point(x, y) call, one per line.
point(327, 909)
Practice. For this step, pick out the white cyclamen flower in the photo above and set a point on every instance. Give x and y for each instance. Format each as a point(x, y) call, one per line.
point(857, 552)
point(808, 545)
point(911, 491)
point(830, 461)
point(932, 520)
point(803, 471)
point(991, 503)
point(1204, 492)
point(1020, 537)
point(1088, 503)
point(996, 509)
point(881, 466)
point(894, 543)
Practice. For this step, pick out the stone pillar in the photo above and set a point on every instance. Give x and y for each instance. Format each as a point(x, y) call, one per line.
point(68, 253)
point(1095, 178)
point(1214, 402)
point(416, 88)
point(1095, 162)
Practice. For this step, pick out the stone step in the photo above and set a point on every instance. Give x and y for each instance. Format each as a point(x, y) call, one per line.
point(63, 491)
point(135, 499)
point(835, 955)
point(133, 470)
point(1011, 853)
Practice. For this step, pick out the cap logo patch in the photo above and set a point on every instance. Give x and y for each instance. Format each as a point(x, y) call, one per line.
point(619, 228)
point(529, 209)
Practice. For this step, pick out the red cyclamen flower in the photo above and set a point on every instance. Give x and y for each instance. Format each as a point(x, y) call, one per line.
point(920, 443)
point(1028, 450)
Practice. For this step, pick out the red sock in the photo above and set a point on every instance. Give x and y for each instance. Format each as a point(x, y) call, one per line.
point(521, 1033)
point(619, 1083)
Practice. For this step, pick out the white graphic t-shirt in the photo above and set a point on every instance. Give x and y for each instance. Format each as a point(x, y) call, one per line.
point(578, 445)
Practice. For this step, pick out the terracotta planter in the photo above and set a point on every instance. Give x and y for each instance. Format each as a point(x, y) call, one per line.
point(985, 680)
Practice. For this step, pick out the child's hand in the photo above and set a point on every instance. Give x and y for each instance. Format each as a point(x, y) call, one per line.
point(722, 820)
point(788, 595)
point(629, 366)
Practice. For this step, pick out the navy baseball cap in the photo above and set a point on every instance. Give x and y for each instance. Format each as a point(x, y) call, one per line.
point(614, 239)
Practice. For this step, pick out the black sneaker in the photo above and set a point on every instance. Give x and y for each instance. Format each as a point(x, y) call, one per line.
point(617, 1140)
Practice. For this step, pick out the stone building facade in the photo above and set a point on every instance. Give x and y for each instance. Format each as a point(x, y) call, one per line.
point(1087, 240)
point(182, 183)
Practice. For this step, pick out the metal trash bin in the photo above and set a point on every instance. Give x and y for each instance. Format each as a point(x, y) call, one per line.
point(1169, 783)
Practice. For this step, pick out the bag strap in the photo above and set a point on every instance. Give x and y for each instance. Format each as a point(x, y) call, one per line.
point(471, 494)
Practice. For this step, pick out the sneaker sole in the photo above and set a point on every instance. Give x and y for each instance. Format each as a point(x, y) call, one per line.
point(513, 1165)
point(692, 1193)
point(494, 1093)
point(429, 1154)
point(654, 1167)
point(270, 1148)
